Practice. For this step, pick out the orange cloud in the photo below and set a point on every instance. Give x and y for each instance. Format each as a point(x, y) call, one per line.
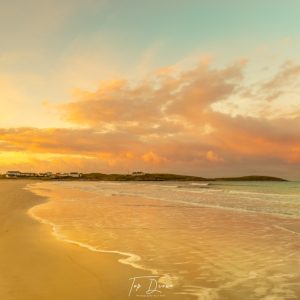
point(212, 156)
point(154, 158)
point(168, 121)
point(153, 101)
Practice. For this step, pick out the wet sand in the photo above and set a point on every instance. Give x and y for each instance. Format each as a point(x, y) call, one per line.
point(213, 253)
point(34, 265)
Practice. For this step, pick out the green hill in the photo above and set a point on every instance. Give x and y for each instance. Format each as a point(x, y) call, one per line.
point(171, 177)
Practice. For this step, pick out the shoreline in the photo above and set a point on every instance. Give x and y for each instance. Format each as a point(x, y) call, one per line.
point(127, 258)
point(130, 258)
point(234, 253)
point(35, 266)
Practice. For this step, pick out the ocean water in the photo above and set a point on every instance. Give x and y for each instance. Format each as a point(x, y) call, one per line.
point(224, 240)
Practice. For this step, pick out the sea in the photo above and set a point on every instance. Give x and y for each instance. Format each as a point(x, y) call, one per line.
point(209, 240)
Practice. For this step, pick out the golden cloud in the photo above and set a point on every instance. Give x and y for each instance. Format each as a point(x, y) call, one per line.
point(167, 122)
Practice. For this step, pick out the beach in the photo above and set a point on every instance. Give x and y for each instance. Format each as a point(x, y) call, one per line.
point(206, 241)
point(34, 265)
point(114, 240)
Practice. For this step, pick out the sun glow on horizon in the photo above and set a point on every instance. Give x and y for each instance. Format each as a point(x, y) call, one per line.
point(105, 88)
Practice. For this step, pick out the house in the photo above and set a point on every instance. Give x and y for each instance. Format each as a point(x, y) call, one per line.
point(75, 174)
point(27, 174)
point(138, 173)
point(47, 174)
point(60, 175)
point(13, 174)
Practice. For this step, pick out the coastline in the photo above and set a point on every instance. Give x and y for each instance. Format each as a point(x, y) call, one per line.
point(126, 258)
point(235, 243)
point(35, 265)
point(130, 258)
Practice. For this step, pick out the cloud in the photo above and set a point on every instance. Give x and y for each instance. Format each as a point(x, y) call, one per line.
point(152, 157)
point(287, 77)
point(212, 156)
point(156, 102)
point(166, 122)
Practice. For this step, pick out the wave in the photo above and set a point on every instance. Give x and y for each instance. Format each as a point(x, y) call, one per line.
point(200, 184)
point(263, 193)
point(131, 258)
point(128, 258)
point(193, 202)
point(287, 229)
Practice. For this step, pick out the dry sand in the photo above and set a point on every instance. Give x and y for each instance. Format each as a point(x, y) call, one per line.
point(36, 266)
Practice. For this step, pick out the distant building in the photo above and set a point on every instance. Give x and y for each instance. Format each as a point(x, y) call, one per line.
point(13, 174)
point(72, 174)
point(47, 174)
point(137, 173)
point(62, 175)
point(27, 174)
point(75, 174)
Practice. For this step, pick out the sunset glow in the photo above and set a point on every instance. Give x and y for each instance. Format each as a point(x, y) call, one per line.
point(203, 87)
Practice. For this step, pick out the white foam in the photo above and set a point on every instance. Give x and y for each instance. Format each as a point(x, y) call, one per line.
point(131, 259)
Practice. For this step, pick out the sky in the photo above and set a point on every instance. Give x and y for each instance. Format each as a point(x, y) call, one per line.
point(208, 88)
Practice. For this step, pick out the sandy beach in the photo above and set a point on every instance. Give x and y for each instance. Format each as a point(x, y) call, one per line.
point(63, 241)
point(34, 265)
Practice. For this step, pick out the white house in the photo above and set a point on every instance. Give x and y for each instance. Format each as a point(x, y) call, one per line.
point(13, 174)
point(75, 174)
point(138, 173)
point(47, 174)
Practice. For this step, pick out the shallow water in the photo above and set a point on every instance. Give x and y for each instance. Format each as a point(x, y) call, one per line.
point(224, 240)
